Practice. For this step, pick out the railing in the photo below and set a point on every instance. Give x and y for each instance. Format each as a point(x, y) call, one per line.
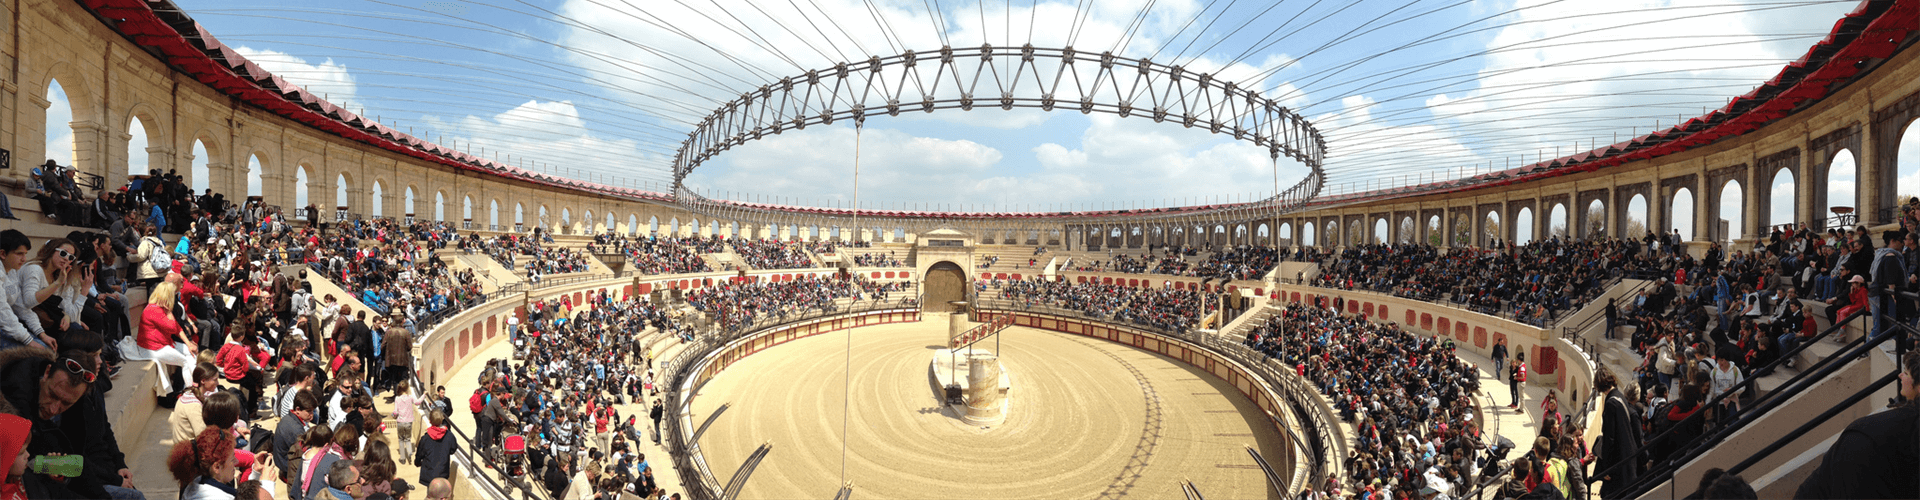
point(571, 278)
point(1576, 334)
point(1664, 468)
point(1327, 444)
point(90, 181)
point(694, 473)
point(464, 457)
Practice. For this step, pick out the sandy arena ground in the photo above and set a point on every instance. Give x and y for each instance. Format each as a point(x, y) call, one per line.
point(1087, 419)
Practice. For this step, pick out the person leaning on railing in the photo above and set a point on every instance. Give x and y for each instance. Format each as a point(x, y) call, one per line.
point(1878, 455)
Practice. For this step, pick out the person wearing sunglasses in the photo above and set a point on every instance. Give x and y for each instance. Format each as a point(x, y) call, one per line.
point(54, 274)
point(45, 387)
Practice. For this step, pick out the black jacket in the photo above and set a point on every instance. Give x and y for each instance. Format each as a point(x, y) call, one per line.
point(434, 455)
point(285, 436)
point(361, 338)
point(1878, 456)
point(20, 372)
point(1619, 444)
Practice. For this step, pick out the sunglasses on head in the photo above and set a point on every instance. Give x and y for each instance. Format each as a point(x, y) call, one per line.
point(73, 367)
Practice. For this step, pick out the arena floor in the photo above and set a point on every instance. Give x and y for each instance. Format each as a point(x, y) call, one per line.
point(1086, 419)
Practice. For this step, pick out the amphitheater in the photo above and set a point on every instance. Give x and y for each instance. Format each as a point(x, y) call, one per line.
point(866, 397)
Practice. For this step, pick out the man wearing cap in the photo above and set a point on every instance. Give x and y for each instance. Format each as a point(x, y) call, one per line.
point(1889, 272)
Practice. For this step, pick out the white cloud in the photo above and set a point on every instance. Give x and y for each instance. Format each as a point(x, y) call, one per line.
point(552, 133)
point(327, 78)
point(1560, 77)
point(815, 166)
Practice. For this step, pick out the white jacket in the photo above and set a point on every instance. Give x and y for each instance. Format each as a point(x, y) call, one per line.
point(22, 329)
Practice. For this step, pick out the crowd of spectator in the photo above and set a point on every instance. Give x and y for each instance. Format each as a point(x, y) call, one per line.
point(872, 259)
point(1532, 283)
point(539, 260)
point(765, 253)
point(830, 247)
point(666, 254)
point(1409, 398)
point(1165, 308)
point(578, 364)
point(1244, 262)
point(735, 306)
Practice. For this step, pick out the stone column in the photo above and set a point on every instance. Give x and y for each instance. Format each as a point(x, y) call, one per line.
point(984, 399)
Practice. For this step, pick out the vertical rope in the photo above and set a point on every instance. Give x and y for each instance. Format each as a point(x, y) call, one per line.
point(846, 382)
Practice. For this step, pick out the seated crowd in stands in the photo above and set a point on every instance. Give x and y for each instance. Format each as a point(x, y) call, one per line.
point(877, 260)
point(541, 260)
point(1164, 308)
point(739, 305)
point(1409, 398)
point(667, 254)
point(830, 247)
point(1531, 283)
point(1243, 262)
point(771, 254)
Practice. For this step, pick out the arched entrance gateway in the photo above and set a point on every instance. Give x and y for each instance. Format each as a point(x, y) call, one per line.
point(946, 282)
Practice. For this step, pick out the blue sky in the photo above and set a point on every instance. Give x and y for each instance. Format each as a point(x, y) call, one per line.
point(1405, 92)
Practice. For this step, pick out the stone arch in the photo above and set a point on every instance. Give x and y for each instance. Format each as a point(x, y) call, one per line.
point(1557, 223)
point(1286, 234)
point(1731, 207)
point(1307, 236)
point(1490, 227)
point(309, 189)
point(1381, 231)
point(255, 172)
point(1523, 226)
point(410, 201)
point(653, 224)
point(1843, 177)
point(202, 169)
point(80, 142)
point(1407, 228)
point(1436, 231)
point(1906, 161)
point(1636, 215)
point(149, 155)
point(1783, 200)
point(344, 186)
point(1682, 211)
point(377, 198)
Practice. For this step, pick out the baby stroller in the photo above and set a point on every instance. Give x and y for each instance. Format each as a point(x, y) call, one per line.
point(514, 451)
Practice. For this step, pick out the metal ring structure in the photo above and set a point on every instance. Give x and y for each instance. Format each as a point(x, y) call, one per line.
point(1007, 78)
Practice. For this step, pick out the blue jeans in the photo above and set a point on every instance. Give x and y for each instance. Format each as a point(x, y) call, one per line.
point(1885, 313)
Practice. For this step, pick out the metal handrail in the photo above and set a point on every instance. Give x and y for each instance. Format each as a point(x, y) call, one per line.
point(1686, 452)
point(465, 454)
point(1817, 421)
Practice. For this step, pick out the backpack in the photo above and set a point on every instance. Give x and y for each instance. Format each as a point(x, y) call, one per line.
point(478, 402)
point(158, 258)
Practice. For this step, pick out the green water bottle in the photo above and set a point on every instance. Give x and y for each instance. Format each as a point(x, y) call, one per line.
point(66, 465)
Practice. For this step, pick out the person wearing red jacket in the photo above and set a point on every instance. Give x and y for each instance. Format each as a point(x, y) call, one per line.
point(242, 361)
